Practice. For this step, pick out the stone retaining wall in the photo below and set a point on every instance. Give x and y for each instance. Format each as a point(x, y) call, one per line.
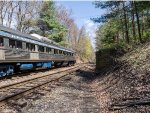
point(103, 60)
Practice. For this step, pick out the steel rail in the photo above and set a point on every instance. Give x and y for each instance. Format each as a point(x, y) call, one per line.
point(47, 73)
point(18, 89)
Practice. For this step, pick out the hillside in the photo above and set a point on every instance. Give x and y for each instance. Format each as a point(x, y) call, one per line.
point(140, 57)
point(124, 87)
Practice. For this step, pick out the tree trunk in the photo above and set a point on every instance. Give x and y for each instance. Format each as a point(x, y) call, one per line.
point(133, 24)
point(125, 22)
point(117, 38)
point(137, 17)
point(143, 21)
point(122, 28)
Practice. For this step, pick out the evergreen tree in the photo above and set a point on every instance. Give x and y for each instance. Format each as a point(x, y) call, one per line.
point(48, 23)
point(122, 23)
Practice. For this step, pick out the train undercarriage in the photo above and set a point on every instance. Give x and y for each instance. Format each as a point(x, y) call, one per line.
point(8, 69)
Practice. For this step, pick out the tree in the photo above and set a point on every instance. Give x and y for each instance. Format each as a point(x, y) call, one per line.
point(123, 17)
point(125, 22)
point(19, 14)
point(117, 9)
point(137, 17)
point(133, 20)
point(85, 49)
point(64, 17)
point(48, 23)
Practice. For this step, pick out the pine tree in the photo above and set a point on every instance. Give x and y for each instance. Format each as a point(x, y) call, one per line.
point(48, 23)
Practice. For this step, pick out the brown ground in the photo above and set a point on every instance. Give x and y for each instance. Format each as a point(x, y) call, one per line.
point(119, 84)
point(87, 91)
point(71, 94)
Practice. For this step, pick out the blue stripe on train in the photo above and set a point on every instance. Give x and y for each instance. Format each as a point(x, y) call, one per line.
point(45, 64)
point(6, 70)
point(26, 66)
point(39, 64)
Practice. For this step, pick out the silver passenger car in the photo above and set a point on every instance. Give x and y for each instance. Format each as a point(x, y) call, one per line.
point(17, 48)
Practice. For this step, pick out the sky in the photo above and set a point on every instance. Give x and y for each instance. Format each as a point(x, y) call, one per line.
point(82, 12)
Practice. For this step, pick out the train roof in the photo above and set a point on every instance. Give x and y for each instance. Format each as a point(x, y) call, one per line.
point(35, 38)
point(44, 39)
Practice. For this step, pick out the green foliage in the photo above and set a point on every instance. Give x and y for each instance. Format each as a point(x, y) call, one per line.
point(113, 5)
point(108, 33)
point(122, 25)
point(64, 43)
point(84, 47)
point(115, 49)
point(146, 34)
point(48, 23)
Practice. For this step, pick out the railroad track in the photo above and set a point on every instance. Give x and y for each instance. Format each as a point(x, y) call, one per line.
point(24, 74)
point(17, 89)
point(30, 76)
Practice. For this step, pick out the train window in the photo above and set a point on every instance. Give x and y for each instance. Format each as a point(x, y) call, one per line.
point(19, 44)
point(30, 47)
point(55, 51)
point(15, 44)
point(1, 41)
point(41, 49)
point(48, 50)
point(64, 53)
point(12, 43)
point(60, 52)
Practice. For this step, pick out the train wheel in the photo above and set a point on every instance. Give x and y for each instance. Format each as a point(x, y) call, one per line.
point(3, 73)
point(10, 70)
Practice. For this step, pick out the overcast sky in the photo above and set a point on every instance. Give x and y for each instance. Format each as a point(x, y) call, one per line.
point(82, 12)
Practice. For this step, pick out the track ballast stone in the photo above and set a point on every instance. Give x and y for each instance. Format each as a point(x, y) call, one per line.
point(71, 94)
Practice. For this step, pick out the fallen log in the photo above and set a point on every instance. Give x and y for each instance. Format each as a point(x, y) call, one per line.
point(124, 104)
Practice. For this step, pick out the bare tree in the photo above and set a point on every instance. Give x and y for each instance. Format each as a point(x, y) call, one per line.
point(27, 11)
point(64, 17)
point(20, 15)
point(10, 14)
point(3, 11)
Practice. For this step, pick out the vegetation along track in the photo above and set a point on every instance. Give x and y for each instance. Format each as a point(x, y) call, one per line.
point(16, 90)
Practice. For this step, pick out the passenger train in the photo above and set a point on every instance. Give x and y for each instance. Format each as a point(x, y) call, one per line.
point(20, 51)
